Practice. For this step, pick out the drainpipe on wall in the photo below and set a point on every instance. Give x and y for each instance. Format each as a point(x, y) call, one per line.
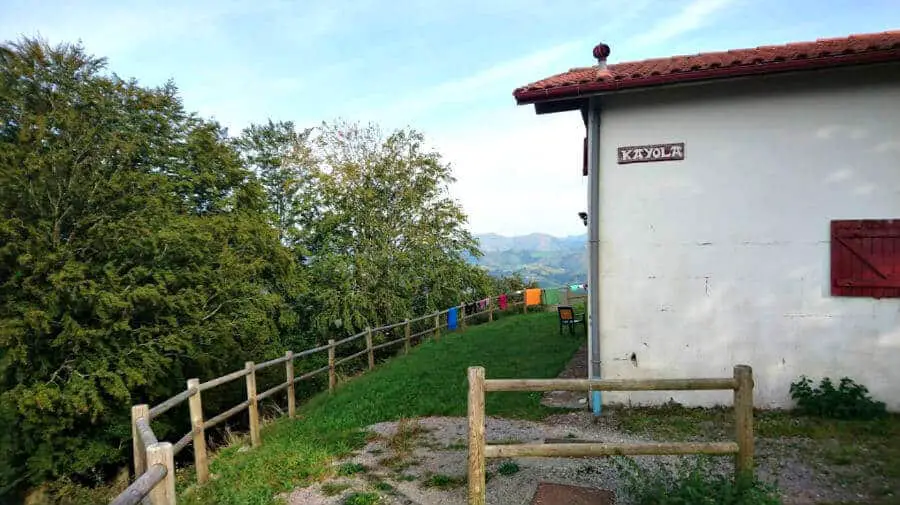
point(593, 308)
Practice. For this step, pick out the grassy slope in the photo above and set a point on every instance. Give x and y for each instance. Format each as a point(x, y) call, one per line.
point(430, 381)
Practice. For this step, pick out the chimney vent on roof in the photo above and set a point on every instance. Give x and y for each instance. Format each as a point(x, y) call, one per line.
point(601, 52)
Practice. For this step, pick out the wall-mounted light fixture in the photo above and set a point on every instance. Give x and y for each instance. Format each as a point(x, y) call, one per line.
point(583, 216)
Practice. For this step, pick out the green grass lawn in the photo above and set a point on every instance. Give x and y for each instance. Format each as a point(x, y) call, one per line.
point(430, 381)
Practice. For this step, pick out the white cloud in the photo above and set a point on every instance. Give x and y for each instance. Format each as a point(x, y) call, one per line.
point(887, 146)
point(502, 77)
point(114, 29)
point(694, 15)
point(519, 173)
point(118, 30)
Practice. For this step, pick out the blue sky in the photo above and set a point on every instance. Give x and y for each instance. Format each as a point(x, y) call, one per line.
point(445, 68)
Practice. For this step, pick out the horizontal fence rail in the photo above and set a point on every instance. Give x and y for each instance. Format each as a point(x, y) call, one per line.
point(574, 450)
point(141, 487)
point(223, 380)
point(172, 402)
point(479, 450)
point(608, 384)
point(154, 465)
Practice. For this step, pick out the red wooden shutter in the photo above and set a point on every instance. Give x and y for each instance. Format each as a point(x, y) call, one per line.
point(865, 258)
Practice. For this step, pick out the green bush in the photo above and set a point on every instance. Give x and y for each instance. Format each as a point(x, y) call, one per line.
point(848, 400)
point(692, 482)
point(153, 262)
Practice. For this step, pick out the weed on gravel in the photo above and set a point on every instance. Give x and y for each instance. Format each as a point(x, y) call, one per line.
point(694, 482)
point(440, 481)
point(508, 468)
point(863, 455)
point(362, 499)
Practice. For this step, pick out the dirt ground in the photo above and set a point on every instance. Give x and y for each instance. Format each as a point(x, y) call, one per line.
point(433, 470)
point(423, 461)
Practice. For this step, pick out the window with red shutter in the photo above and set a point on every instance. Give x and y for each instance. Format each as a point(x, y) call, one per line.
point(865, 258)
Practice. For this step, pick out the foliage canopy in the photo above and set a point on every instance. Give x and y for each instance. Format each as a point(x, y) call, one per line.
point(140, 246)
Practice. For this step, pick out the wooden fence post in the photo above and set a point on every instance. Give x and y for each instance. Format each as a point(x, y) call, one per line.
point(490, 309)
point(462, 318)
point(369, 347)
point(140, 452)
point(437, 325)
point(476, 436)
point(252, 407)
point(524, 302)
point(332, 379)
point(406, 338)
point(195, 407)
point(289, 377)
point(162, 454)
point(743, 413)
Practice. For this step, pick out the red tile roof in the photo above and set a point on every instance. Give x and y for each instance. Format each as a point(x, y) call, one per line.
point(855, 49)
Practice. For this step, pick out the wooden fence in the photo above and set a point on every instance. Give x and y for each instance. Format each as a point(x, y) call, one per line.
point(154, 463)
point(742, 448)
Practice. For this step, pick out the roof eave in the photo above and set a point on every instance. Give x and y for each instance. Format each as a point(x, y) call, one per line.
point(534, 96)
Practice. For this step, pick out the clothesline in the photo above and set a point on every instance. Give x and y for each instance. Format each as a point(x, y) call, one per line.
point(530, 296)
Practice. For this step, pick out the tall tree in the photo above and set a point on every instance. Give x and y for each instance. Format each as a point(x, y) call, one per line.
point(390, 242)
point(135, 251)
point(281, 156)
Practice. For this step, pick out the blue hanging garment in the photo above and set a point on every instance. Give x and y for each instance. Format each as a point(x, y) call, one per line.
point(451, 318)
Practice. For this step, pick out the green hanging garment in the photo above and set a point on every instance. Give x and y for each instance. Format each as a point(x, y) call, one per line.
point(551, 296)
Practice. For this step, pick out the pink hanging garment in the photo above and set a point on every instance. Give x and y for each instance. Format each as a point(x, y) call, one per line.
point(501, 301)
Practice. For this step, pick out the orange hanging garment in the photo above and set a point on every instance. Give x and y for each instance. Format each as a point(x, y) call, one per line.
point(533, 296)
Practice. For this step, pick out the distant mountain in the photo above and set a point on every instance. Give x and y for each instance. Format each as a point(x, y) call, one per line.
point(551, 261)
point(530, 242)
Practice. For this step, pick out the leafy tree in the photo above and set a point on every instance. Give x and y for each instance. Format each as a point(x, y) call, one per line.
point(140, 247)
point(512, 283)
point(282, 158)
point(135, 252)
point(390, 241)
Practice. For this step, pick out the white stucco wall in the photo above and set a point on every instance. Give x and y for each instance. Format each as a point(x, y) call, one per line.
point(723, 258)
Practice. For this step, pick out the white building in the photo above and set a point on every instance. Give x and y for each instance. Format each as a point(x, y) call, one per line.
point(713, 243)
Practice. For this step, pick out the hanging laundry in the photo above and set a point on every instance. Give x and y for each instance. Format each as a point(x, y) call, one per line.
point(533, 296)
point(482, 305)
point(470, 308)
point(501, 301)
point(551, 296)
point(451, 318)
